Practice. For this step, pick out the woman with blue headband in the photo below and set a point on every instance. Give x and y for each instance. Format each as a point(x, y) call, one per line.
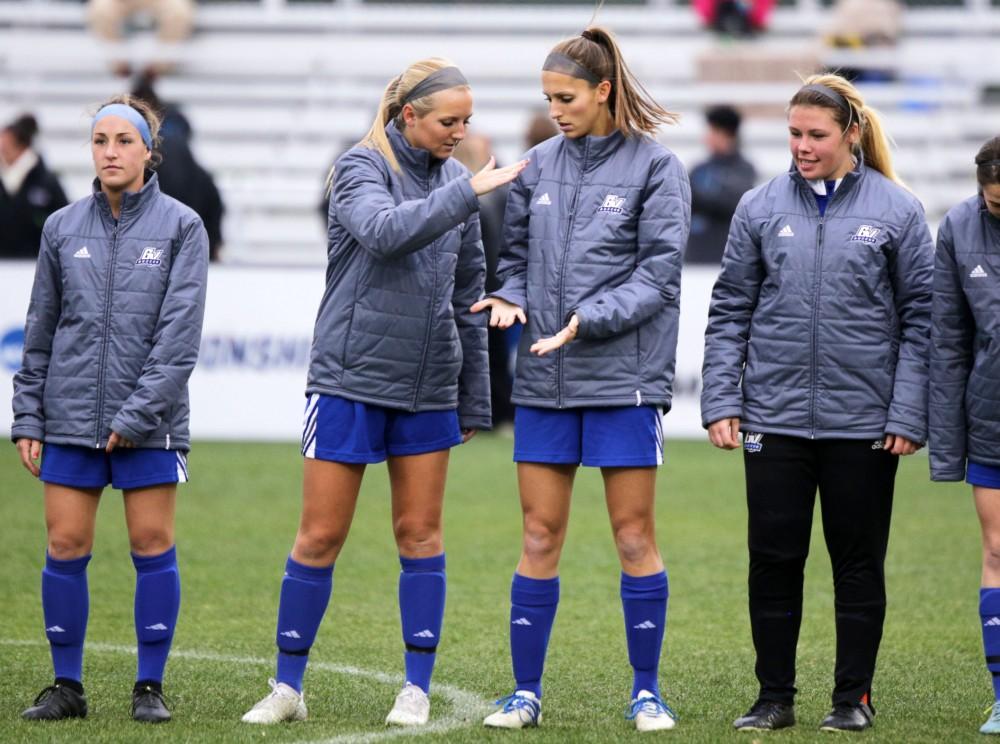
point(111, 337)
point(399, 370)
point(965, 367)
point(817, 349)
point(595, 230)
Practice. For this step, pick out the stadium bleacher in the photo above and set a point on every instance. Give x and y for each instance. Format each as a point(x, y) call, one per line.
point(275, 90)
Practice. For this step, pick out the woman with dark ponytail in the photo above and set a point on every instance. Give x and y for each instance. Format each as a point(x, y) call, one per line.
point(399, 371)
point(965, 367)
point(595, 230)
point(817, 348)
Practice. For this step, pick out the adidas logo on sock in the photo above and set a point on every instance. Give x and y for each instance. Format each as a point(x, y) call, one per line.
point(158, 626)
point(521, 621)
point(645, 625)
point(786, 232)
point(977, 273)
point(544, 200)
point(992, 621)
point(290, 634)
point(57, 629)
point(426, 633)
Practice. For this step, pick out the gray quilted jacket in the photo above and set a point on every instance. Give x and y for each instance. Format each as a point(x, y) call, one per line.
point(965, 342)
point(597, 226)
point(819, 326)
point(405, 265)
point(114, 323)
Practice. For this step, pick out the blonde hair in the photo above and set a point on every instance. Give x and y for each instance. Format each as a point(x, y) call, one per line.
point(874, 143)
point(632, 107)
point(148, 113)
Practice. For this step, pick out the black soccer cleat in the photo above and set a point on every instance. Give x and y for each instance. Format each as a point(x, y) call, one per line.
point(847, 717)
point(766, 715)
point(55, 703)
point(148, 705)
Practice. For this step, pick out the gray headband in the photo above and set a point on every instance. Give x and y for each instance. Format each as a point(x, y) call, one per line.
point(557, 62)
point(446, 77)
point(831, 95)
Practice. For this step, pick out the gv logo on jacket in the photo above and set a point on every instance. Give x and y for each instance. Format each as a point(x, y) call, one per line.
point(866, 234)
point(149, 257)
point(613, 203)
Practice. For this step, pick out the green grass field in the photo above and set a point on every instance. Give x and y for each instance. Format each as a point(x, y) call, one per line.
point(236, 521)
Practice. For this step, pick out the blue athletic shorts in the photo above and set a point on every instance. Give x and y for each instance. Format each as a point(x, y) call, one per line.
point(83, 467)
point(987, 476)
point(342, 430)
point(626, 436)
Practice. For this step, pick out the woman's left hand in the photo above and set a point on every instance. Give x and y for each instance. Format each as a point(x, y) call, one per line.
point(117, 440)
point(544, 345)
point(468, 434)
point(895, 444)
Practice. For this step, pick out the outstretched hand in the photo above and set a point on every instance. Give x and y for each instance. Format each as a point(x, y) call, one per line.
point(502, 313)
point(544, 345)
point(491, 177)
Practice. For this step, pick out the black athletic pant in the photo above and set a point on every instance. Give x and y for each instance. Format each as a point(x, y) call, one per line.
point(855, 481)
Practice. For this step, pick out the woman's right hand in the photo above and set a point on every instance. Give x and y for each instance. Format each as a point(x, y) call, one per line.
point(29, 450)
point(725, 433)
point(502, 313)
point(491, 177)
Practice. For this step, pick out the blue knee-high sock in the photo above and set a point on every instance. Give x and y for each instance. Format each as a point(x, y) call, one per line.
point(305, 593)
point(644, 599)
point(989, 614)
point(66, 604)
point(533, 604)
point(421, 610)
point(157, 602)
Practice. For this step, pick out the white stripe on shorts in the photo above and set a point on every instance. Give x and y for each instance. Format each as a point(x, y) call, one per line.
point(309, 426)
point(182, 471)
point(660, 417)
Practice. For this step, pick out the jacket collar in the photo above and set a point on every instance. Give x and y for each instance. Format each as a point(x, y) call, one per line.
point(415, 160)
point(592, 149)
point(848, 182)
point(132, 201)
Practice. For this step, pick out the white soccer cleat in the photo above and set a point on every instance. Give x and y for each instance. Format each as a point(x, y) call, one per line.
point(650, 713)
point(283, 704)
point(412, 707)
point(520, 710)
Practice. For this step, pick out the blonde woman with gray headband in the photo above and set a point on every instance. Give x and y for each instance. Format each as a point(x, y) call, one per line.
point(399, 370)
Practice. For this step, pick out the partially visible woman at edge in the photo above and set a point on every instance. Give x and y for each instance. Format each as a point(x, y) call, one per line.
point(817, 348)
point(595, 230)
point(965, 367)
point(399, 370)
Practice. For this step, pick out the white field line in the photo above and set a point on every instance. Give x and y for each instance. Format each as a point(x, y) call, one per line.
point(466, 707)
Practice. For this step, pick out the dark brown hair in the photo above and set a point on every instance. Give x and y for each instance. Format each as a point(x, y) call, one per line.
point(632, 108)
point(988, 163)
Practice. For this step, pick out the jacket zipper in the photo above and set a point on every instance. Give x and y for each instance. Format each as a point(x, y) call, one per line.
point(104, 333)
point(817, 288)
point(562, 272)
point(430, 316)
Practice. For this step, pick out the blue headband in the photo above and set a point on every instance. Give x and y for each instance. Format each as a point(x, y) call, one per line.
point(130, 115)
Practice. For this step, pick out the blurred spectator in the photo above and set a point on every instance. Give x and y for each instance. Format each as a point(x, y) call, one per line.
point(180, 174)
point(716, 186)
point(540, 128)
point(174, 20)
point(865, 24)
point(29, 192)
point(474, 153)
point(735, 17)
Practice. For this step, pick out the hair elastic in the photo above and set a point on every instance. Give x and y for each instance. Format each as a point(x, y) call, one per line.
point(446, 77)
point(130, 115)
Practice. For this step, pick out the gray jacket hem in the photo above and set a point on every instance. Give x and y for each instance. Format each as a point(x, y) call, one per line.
point(176, 443)
point(592, 402)
point(802, 432)
point(379, 400)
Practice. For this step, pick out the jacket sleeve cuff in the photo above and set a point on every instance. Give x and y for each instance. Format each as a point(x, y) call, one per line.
point(27, 431)
point(514, 297)
point(717, 414)
point(944, 476)
point(473, 421)
point(902, 430)
point(134, 436)
point(471, 200)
